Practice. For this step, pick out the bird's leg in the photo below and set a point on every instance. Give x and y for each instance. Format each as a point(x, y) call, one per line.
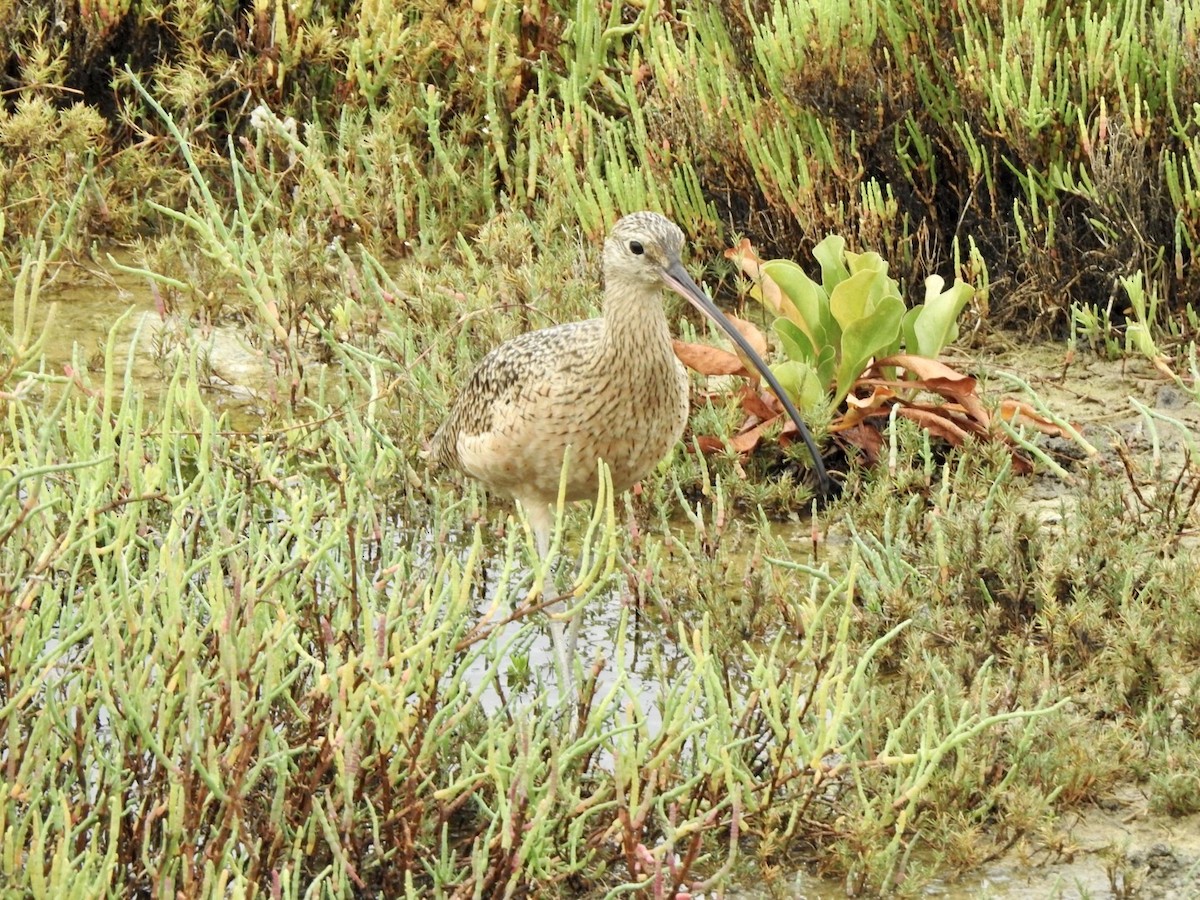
point(595, 561)
point(541, 535)
point(541, 518)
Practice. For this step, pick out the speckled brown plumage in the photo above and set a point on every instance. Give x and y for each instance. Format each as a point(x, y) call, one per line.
point(608, 388)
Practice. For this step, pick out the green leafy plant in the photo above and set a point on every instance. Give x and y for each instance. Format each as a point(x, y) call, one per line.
point(831, 331)
point(851, 340)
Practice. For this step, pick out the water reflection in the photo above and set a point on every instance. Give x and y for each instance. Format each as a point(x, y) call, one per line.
point(93, 306)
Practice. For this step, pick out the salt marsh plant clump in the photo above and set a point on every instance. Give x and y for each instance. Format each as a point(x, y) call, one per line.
point(1059, 143)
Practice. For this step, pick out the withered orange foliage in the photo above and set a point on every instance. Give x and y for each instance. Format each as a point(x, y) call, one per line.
point(926, 391)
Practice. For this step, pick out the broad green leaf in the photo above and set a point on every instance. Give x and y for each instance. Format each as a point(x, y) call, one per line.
point(856, 297)
point(937, 324)
point(801, 382)
point(804, 295)
point(858, 262)
point(864, 338)
point(796, 344)
point(827, 364)
point(830, 254)
point(897, 341)
point(908, 329)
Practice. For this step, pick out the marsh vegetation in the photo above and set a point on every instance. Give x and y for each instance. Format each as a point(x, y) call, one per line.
point(250, 647)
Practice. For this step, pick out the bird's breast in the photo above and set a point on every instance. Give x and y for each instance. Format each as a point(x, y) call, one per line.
point(583, 393)
point(634, 410)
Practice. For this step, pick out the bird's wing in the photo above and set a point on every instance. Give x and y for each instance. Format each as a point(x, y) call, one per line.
point(518, 373)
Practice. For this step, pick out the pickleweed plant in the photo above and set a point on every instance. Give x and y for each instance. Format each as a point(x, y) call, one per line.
point(1148, 329)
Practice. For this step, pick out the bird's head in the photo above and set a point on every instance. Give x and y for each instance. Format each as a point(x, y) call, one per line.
point(642, 249)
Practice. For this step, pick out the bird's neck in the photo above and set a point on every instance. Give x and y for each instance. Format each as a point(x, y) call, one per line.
point(634, 321)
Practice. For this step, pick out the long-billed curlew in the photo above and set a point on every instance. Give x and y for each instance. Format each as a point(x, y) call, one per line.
point(609, 388)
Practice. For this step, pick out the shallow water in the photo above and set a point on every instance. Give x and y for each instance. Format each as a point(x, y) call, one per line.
point(88, 306)
point(83, 303)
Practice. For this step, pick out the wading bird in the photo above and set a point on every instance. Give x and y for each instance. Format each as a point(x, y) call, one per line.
point(604, 389)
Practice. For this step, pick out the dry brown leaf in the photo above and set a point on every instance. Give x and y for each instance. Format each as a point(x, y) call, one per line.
point(933, 375)
point(866, 439)
point(1018, 412)
point(948, 421)
point(967, 405)
point(709, 443)
point(881, 392)
point(859, 409)
point(761, 406)
point(943, 426)
point(746, 441)
point(923, 367)
point(953, 411)
point(708, 360)
point(1022, 464)
point(746, 259)
point(967, 413)
point(788, 434)
point(954, 431)
point(976, 410)
point(754, 337)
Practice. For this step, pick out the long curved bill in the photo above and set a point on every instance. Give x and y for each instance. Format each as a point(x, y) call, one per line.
point(678, 280)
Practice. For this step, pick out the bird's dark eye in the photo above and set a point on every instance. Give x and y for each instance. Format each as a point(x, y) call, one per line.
point(636, 248)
